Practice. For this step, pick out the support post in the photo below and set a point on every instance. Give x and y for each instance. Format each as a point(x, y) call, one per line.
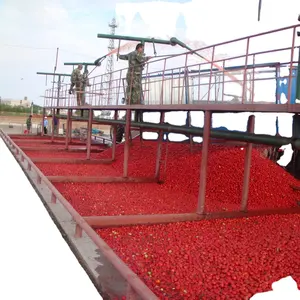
point(203, 168)
point(159, 147)
point(114, 139)
point(68, 128)
point(58, 89)
point(89, 135)
point(127, 142)
point(44, 114)
point(247, 166)
point(52, 132)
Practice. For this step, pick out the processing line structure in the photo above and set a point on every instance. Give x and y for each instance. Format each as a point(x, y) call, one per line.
point(188, 82)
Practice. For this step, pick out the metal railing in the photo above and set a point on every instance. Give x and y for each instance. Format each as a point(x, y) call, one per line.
point(192, 78)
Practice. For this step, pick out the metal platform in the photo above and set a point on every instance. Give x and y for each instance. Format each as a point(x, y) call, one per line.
point(196, 81)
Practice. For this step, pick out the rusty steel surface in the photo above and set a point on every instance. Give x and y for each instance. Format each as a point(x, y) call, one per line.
point(205, 74)
point(112, 277)
point(253, 107)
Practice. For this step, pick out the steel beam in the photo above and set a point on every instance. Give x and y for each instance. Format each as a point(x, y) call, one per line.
point(214, 107)
point(98, 222)
point(71, 161)
point(77, 150)
point(97, 179)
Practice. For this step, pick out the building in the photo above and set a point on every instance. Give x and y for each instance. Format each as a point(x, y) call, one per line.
point(12, 102)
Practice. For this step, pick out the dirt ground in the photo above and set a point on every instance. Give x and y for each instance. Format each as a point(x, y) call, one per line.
point(18, 121)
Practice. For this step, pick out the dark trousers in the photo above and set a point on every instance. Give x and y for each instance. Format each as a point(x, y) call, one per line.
point(45, 130)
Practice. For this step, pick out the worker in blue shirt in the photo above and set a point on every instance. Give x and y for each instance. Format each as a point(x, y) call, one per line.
point(45, 125)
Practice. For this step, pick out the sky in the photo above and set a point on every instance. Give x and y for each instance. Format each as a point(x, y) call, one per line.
point(31, 31)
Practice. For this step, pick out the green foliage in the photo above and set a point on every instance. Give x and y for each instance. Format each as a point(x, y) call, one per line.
point(5, 108)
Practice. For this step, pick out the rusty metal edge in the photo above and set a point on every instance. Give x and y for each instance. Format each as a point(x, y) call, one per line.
point(219, 107)
point(135, 283)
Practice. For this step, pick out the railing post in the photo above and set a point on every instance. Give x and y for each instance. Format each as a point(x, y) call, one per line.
point(291, 67)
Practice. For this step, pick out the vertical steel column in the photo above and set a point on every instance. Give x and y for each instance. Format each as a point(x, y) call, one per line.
point(58, 89)
point(44, 114)
point(114, 140)
point(89, 135)
point(52, 133)
point(68, 128)
point(189, 124)
point(247, 165)
point(159, 146)
point(203, 168)
point(127, 142)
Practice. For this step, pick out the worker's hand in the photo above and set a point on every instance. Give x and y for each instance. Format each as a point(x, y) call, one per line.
point(149, 57)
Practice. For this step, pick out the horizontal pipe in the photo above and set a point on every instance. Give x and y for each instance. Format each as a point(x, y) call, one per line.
point(263, 139)
point(49, 73)
point(79, 63)
point(134, 39)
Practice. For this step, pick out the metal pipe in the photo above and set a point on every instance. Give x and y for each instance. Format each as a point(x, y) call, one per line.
point(159, 147)
point(79, 63)
point(127, 124)
point(68, 128)
point(114, 138)
point(139, 39)
point(42, 125)
point(89, 135)
point(264, 139)
point(204, 160)
point(51, 73)
point(52, 133)
point(247, 166)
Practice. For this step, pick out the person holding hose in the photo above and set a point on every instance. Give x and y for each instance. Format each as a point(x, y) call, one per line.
point(136, 61)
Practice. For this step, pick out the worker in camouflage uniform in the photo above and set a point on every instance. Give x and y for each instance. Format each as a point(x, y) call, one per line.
point(29, 123)
point(136, 62)
point(77, 81)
